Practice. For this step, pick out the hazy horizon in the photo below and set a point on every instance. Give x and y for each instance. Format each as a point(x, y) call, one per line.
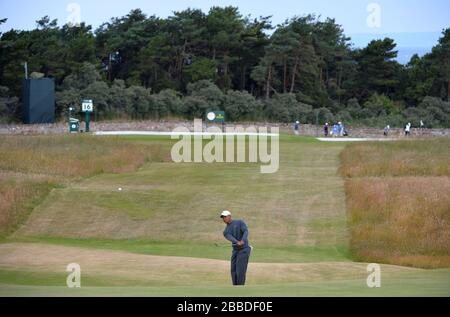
point(415, 25)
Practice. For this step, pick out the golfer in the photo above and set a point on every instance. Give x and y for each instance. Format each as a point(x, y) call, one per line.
point(237, 233)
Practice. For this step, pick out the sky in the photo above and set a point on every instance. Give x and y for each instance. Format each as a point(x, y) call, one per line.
point(416, 25)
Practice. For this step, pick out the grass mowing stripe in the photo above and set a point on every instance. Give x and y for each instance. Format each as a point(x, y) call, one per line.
point(261, 254)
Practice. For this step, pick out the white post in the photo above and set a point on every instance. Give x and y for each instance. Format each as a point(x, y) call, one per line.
point(26, 70)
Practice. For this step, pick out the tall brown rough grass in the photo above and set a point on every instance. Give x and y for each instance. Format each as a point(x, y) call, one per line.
point(18, 194)
point(73, 156)
point(398, 202)
point(403, 158)
point(30, 166)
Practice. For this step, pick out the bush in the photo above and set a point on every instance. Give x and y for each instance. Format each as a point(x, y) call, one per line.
point(98, 92)
point(304, 98)
point(437, 112)
point(84, 84)
point(323, 115)
point(9, 106)
point(240, 105)
point(203, 96)
point(208, 91)
point(119, 98)
point(380, 105)
point(354, 108)
point(141, 103)
point(168, 102)
point(195, 107)
point(86, 75)
point(286, 108)
point(66, 99)
point(344, 116)
point(282, 107)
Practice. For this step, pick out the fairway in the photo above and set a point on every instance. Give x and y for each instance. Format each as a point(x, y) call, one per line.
point(161, 235)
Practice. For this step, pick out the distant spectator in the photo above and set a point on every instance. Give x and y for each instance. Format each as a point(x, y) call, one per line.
point(326, 128)
point(387, 129)
point(297, 127)
point(341, 128)
point(335, 131)
point(408, 129)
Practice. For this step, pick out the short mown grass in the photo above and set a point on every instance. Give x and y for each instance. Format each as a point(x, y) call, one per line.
point(303, 204)
point(398, 201)
point(212, 250)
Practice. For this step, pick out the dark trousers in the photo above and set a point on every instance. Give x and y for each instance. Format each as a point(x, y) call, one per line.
point(239, 263)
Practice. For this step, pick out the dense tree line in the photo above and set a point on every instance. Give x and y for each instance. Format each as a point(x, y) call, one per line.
point(140, 66)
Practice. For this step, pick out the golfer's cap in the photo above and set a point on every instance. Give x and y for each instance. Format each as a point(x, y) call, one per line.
point(225, 213)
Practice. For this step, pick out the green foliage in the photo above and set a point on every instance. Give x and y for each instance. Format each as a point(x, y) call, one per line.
point(9, 106)
point(240, 105)
point(377, 67)
point(433, 112)
point(354, 108)
point(168, 102)
point(201, 69)
point(380, 105)
point(195, 107)
point(141, 106)
point(208, 92)
point(286, 108)
point(120, 99)
point(344, 116)
point(82, 78)
point(141, 66)
point(323, 115)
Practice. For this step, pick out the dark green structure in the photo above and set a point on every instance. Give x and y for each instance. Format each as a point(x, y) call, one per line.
point(38, 97)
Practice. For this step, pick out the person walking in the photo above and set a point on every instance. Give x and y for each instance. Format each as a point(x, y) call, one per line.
point(408, 129)
point(236, 232)
point(297, 127)
point(326, 128)
point(341, 129)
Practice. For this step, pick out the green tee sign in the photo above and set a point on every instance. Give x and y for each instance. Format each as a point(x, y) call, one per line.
point(216, 116)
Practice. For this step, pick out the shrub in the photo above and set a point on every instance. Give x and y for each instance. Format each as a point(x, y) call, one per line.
point(167, 102)
point(344, 116)
point(141, 102)
point(119, 98)
point(195, 107)
point(323, 115)
point(354, 108)
point(240, 105)
point(9, 106)
point(206, 96)
point(98, 92)
point(286, 108)
point(381, 105)
point(279, 107)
